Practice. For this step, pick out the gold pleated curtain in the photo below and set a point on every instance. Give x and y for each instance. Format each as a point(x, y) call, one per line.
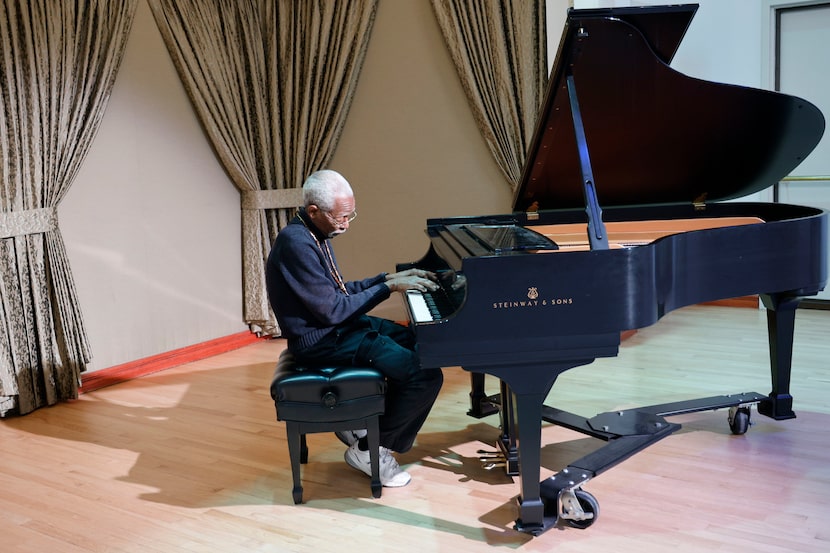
point(500, 53)
point(58, 62)
point(272, 83)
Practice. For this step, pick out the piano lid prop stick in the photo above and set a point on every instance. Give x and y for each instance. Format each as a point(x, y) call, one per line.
point(596, 228)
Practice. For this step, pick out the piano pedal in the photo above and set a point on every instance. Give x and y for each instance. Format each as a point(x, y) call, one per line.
point(491, 459)
point(485, 455)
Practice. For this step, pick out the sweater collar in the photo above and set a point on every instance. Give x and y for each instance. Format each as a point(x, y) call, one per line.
point(305, 220)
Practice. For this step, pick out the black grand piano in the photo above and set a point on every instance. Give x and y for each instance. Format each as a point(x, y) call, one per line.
point(618, 220)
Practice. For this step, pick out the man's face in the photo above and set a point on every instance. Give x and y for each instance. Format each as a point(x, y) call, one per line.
point(337, 220)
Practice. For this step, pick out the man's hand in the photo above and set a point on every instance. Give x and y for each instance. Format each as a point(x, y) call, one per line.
point(412, 279)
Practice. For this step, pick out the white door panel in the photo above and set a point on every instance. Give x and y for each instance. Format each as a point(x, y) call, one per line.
point(803, 55)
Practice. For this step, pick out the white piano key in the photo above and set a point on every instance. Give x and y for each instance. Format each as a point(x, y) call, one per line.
point(418, 306)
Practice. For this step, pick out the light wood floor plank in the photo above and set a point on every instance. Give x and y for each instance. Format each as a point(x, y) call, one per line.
point(192, 459)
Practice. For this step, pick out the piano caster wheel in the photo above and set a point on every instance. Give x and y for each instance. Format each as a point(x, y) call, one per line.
point(739, 419)
point(577, 508)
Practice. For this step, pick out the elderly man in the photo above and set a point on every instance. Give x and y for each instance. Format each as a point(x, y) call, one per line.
point(325, 321)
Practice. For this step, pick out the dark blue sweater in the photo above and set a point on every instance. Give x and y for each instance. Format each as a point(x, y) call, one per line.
point(305, 297)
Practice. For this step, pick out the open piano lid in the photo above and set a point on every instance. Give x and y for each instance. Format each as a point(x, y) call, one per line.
point(654, 135)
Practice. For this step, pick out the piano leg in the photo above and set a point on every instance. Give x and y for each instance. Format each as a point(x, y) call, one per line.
point(528, 408)
point(780, 328)
point(525, 389)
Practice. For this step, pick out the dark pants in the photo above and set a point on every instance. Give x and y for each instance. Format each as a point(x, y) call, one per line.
point(391, 349)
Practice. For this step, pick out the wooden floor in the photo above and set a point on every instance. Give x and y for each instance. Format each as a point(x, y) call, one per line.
point(192, 459)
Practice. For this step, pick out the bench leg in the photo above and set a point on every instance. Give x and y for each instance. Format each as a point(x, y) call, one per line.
point(373, 439)
point(296, 441)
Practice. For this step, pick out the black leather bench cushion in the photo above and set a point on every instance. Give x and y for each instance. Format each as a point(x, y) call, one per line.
point(326, 394)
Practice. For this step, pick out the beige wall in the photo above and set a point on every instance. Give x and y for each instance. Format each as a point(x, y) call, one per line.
point(410, 146)
point(152, 222)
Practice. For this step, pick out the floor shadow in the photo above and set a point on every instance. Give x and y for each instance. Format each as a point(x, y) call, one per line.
point(209, 438)
point(180, 457)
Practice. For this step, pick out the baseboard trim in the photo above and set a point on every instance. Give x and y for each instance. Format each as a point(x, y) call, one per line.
point(121, 373)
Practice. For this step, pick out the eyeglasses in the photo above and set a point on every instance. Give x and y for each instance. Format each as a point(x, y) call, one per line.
point(343, 218)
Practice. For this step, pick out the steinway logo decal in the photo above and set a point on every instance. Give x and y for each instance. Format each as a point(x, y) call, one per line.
point(532, 300)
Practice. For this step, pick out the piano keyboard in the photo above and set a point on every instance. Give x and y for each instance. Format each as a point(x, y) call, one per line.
point(427, 307)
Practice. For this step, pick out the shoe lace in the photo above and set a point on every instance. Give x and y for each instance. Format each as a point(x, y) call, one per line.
point(387, 461)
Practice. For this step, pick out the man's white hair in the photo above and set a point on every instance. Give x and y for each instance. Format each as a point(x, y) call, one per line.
point(322, 188)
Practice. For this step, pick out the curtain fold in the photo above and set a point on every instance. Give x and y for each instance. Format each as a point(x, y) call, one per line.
point(58, 62)
point(500, 53)
point(272, 83)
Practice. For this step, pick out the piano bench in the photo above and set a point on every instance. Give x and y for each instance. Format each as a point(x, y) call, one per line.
point(327, 399)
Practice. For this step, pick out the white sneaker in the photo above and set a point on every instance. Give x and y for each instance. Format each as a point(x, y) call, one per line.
point(350, 437)
point(391, 474)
